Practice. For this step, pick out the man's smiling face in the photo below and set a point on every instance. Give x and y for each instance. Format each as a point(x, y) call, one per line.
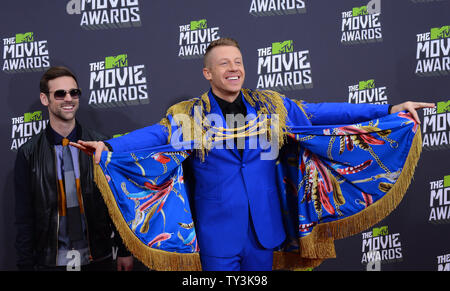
point(61, 110)
point(225, 71)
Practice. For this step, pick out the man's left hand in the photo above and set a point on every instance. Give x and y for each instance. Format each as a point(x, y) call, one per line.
point(125, 263)
point(412, 107)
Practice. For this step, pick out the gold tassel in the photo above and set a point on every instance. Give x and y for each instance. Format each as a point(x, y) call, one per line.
point(270, 102)
point(194, 124)
point(154, 259)
point(320, 243)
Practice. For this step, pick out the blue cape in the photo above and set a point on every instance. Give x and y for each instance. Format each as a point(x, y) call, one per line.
point(333, 181)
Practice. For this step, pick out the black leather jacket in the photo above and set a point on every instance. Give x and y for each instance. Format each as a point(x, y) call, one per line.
point(37, 200)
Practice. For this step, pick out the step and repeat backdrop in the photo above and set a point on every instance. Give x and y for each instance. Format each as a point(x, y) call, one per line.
point(135, 58)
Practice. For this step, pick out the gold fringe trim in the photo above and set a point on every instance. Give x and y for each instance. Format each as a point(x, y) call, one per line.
point(154, 259)
point(182, 115)
point(302, 107)
point(190, 115)
point(293, 261)
point(320, 243)
point(268, 103)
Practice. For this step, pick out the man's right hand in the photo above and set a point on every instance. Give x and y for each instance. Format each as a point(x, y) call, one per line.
point(91, 147)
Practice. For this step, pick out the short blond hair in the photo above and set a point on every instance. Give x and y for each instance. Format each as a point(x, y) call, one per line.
point(225, 41)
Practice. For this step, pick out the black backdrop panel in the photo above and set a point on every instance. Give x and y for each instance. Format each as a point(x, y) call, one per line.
point(357, 51)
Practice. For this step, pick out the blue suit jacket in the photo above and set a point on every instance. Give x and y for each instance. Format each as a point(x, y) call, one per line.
point(230, 189)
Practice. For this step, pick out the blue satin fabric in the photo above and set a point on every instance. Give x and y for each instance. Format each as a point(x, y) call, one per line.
point(360, 161)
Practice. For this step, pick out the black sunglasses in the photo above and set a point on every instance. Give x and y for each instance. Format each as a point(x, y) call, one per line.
point(61, 94)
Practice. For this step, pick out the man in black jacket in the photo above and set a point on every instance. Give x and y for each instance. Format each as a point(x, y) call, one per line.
point(62, 221)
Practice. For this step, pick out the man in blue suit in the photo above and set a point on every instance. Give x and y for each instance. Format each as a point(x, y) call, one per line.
point(237, 209)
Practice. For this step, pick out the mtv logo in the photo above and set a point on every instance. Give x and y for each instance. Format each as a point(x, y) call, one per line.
point(447, 181)
point(443, 106)
point(357, 11)
point(442, 32)
point(119, 134)
point(24, 37)
point(286, 46)
point(116, 62)
point(363, 85)
point(377, 231)
point(32, 116)
point(198, 24)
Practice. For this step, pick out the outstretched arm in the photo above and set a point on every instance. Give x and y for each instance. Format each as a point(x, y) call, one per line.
point(412, 108)
point(153, 135)
point(337, 113)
